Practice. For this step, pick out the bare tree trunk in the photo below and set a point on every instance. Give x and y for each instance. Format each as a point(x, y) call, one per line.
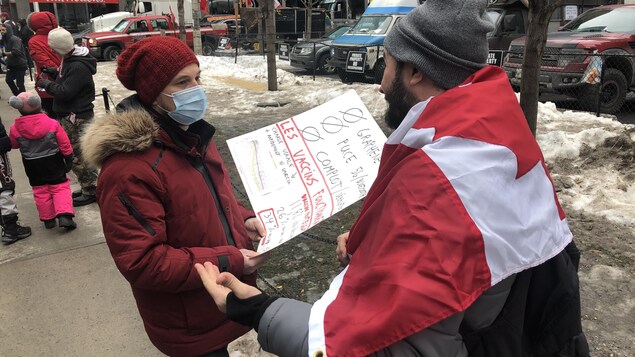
point(539, 14)
point(196, 30)
point(181, 11)
point(270, 35)
point(309, 18)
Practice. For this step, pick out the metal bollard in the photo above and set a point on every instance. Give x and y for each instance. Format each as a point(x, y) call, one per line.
point(104, 93)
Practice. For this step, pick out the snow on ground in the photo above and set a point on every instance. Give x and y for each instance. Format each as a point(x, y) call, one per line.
point(236, 88)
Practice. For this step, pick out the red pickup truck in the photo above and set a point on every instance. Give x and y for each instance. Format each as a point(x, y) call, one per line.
point(108, 45)
point(568, 58)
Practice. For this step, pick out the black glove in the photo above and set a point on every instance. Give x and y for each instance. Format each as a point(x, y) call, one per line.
point(51, 71)
point(248, 312)
point(43, 83)
point(68, 162)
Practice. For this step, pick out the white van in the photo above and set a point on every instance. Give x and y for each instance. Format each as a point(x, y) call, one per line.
point(107, 21)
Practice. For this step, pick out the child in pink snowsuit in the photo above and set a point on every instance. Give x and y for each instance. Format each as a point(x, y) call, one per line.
point(47, 156)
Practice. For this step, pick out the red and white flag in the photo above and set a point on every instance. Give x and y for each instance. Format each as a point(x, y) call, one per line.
point(276, 4)
point(465, 201)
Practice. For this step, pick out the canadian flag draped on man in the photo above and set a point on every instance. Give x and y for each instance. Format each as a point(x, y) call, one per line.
point(482, 228)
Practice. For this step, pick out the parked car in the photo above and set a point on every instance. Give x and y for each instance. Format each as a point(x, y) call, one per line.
point(109, 44)
point(569, 55)
point(302, 55)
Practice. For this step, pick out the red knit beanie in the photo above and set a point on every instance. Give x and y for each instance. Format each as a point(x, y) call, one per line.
point(149, 65)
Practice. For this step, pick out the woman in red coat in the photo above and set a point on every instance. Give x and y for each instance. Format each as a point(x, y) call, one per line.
point(166, 201)
point(45, 59)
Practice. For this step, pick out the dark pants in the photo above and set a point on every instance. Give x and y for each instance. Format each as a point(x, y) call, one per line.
point(16, 75)
point(47, 105)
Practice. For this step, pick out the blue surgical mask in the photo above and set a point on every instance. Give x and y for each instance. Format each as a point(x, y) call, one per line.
point(190, 105)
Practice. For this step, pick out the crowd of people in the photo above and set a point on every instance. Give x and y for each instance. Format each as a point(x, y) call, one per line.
point(54, 114)
point(460, 249)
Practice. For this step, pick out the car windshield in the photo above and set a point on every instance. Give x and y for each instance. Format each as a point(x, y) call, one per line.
point(121, 26)
point(335, 33)
point(494, 15)
point(371, 25)
point(328, 5)
point(607, 20)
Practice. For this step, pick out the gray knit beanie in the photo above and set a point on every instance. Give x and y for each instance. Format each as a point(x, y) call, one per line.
point(444, 39)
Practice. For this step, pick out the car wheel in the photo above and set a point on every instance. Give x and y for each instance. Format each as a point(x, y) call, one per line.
point(612, 93)
point(208, 48)
point(322, 65)
point(111, 53)
point(348, 77)
point(380, 67)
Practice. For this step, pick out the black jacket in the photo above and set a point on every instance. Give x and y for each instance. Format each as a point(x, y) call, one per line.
point(13, 44)
point(74, 89)
point(541, 317)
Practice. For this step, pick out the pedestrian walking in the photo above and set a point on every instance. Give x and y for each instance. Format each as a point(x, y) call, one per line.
point(25, 32)
point(166, 200)
point(16, 59)
point(47, 156)
point(43, 56)
point(461, 247)
point(73, 94)
point(12, 231)
point(7, 22)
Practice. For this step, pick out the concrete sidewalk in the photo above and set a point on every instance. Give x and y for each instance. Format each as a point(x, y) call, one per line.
point(60, 292)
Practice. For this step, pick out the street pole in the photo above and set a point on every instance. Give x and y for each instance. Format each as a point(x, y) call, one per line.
point(270, 40)
point(196, 30)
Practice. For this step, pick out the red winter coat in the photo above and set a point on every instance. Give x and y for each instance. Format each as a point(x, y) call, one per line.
point(160, 218)
point(43, 56)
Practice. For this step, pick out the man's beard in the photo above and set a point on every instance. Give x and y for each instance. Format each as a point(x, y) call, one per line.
point(399, 103)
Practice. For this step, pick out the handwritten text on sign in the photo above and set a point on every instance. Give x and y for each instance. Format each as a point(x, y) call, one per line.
point(302, 170)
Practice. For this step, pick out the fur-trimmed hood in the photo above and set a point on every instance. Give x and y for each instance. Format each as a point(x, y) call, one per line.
point(129, 131)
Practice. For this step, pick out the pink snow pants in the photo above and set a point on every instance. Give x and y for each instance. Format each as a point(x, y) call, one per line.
point(53, 200)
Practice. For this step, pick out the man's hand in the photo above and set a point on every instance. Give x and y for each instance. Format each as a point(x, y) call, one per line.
point(253, 260)
point(255, 230)
point(340, 251)
point(219, 285)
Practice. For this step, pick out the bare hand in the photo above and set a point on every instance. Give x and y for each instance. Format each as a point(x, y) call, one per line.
point(253, 260)
point(255, 230)
point(219, 285)
point(340, 251)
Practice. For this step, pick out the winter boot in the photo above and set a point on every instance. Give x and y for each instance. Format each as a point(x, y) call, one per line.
point(67, 222)
point(77, 193)
point(50, 223)
point(13, 232)
point(84, 199)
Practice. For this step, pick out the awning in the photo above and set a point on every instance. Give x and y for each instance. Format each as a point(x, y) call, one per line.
point(116, 2)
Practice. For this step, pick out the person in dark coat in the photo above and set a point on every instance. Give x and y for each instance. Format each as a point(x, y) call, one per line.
point(25, 33)
point(16, 59)
point(74, 92)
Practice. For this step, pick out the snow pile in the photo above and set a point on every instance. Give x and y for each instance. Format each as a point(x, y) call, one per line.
point(235, 89)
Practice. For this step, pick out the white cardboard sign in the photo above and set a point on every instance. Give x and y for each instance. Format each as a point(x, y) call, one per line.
point(301, 171)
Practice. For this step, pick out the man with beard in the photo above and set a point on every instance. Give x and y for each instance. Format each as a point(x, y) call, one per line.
point(461, 246)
